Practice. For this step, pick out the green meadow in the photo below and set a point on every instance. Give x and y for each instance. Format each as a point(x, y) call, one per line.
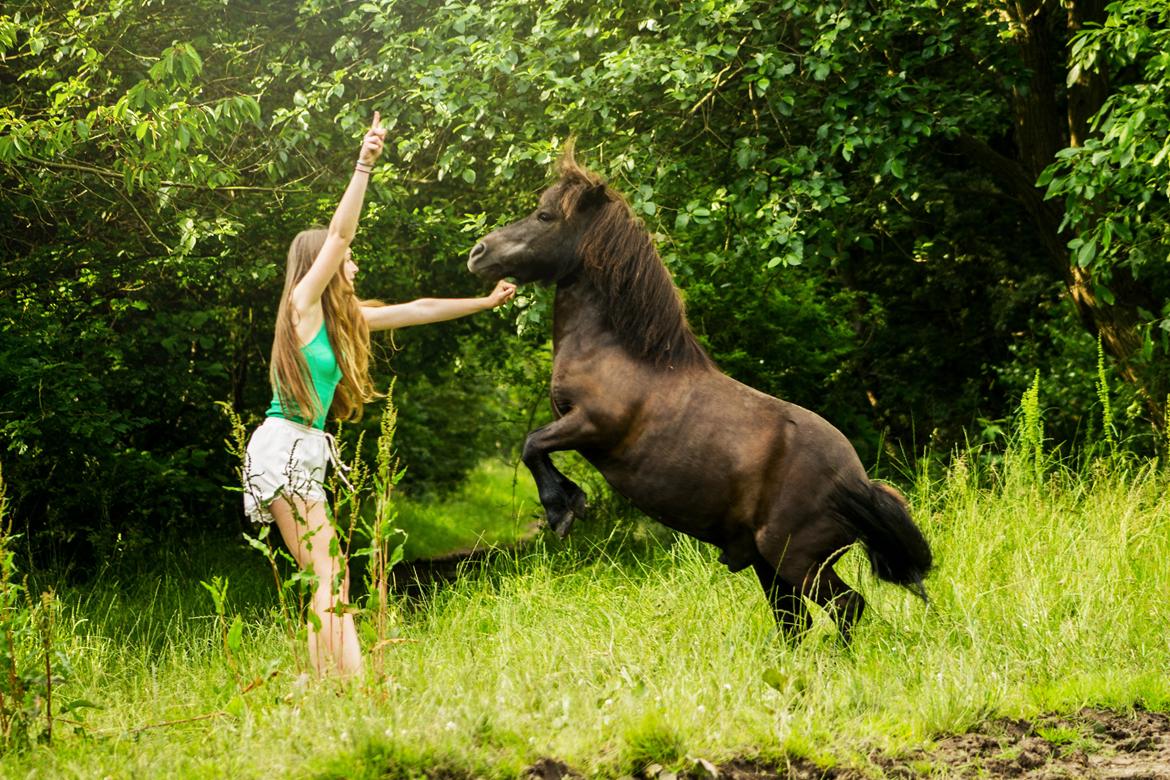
point(626, 646)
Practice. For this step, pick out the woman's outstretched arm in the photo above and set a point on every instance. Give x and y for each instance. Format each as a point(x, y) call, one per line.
point(427, 310)
point(343, 226)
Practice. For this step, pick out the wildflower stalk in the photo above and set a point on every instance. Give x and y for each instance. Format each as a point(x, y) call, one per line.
point(1106, 403)
point(1033, 426)
point(386, 541)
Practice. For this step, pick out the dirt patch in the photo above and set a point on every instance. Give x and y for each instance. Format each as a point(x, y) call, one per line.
point(1089, 745)
point(740, 769)
point(1092, 744)
point(550, 769)
point(795, 769)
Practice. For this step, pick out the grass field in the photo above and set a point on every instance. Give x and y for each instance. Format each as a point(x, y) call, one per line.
point(626, 646)
point(496, 506)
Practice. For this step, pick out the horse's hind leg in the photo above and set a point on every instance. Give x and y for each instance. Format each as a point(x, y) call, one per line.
point(787, 605)
point(832, 594)
point(808, 561)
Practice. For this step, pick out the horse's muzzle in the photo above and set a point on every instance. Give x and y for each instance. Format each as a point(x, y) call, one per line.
point(477, 251)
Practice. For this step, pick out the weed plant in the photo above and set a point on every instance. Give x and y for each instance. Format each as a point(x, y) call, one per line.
point(626, 646)
point(31, 662)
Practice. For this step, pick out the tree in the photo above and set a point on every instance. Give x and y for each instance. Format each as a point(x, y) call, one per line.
point(851, 196)
point(1114, 185)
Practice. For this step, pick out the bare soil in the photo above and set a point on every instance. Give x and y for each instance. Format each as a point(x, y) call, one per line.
point(1090, 745)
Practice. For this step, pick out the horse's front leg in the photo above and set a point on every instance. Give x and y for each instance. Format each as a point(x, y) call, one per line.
point(562, 498)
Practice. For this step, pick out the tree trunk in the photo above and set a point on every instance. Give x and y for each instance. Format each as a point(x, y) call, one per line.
point(1043, 128)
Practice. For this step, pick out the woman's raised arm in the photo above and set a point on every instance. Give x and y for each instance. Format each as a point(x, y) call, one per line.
point(343, 226)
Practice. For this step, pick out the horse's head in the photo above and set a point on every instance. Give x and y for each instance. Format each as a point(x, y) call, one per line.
point(544, 246)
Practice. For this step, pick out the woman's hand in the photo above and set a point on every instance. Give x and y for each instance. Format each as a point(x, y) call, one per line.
point(503, 293)
point(372, 143)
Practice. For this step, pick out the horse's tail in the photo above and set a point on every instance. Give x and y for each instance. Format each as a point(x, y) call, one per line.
point(878, 515)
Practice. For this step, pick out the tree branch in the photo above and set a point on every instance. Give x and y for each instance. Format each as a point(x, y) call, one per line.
point(109, 173)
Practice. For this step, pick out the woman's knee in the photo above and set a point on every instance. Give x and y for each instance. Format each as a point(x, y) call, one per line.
point(331, 568)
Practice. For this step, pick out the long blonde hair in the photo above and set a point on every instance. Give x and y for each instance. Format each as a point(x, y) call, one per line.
point(348, 334)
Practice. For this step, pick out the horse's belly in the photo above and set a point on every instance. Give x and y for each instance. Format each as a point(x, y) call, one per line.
point(676, 494)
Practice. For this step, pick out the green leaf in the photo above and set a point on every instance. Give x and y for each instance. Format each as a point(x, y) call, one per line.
point(79, 704)
point(258, 545)
point(235, 635)
point(774, 678)
point(236, 706)
point(1086, 253)
point(396, 556)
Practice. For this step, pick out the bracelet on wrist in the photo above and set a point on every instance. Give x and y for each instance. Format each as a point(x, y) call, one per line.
point(363, 167)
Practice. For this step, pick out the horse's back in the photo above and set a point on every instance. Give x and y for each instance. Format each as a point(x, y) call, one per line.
point(798, 437)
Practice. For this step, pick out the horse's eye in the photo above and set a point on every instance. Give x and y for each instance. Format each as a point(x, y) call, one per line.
point(544, 216)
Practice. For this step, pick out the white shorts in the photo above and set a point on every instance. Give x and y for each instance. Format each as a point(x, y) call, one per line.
point(285, 459)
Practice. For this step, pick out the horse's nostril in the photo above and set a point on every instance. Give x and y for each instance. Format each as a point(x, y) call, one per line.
point(477, 252)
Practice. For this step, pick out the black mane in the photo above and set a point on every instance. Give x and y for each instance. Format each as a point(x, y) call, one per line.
point(622, 262)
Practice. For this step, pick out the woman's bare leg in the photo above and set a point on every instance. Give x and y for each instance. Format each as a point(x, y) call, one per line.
point(307, 532)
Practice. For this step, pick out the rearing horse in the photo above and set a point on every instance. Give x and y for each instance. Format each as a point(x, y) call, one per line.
point(771, 484)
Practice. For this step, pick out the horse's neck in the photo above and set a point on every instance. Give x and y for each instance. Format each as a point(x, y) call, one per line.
point(578, 312)
point(583, 324)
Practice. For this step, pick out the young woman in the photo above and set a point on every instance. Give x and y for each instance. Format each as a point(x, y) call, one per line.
point(320, 368)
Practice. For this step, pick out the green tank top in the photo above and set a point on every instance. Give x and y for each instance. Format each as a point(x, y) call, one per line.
point(324, 372)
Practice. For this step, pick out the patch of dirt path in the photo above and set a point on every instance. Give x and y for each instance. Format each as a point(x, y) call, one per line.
point(1089, 745)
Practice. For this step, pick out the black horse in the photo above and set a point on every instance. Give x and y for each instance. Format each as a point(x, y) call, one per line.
point(771, 484)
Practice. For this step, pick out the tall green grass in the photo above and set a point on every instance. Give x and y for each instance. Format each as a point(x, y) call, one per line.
point(625, 646)
point(496, 506)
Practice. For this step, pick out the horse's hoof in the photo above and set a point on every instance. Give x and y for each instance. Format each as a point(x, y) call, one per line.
point(561, 524)
point(580, 504)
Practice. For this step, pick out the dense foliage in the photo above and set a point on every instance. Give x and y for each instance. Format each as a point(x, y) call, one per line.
point(846, 193)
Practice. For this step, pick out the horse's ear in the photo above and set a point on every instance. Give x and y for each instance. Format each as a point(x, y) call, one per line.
point(593, 197)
